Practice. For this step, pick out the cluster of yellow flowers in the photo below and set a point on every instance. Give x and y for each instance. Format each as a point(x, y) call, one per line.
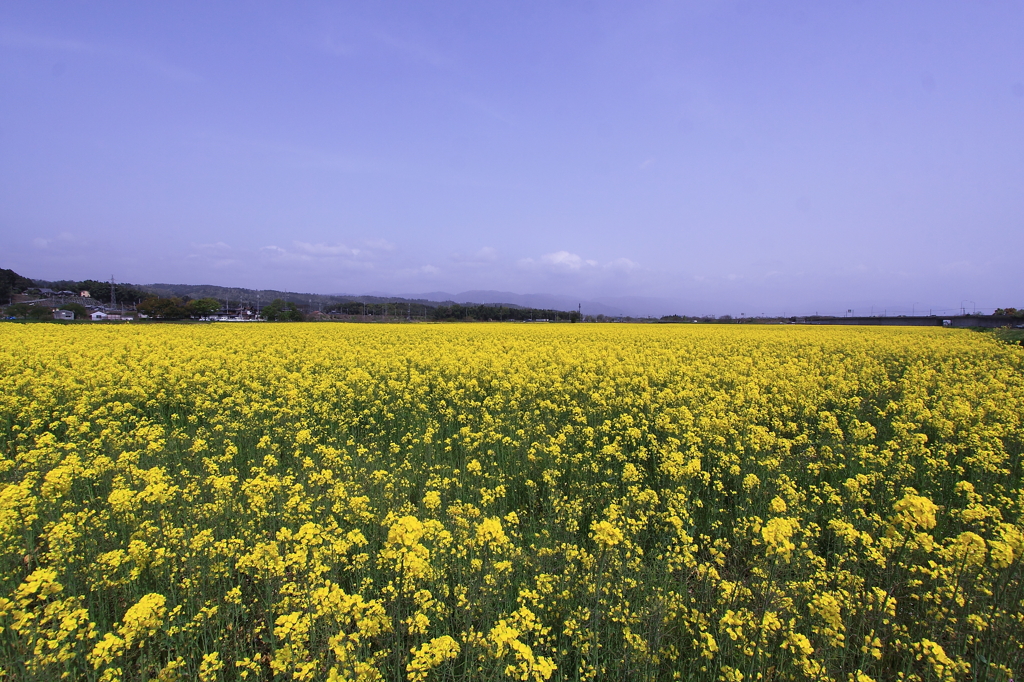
point(510, 502)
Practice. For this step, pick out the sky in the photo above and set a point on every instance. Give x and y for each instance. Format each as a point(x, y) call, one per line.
point(705, 157)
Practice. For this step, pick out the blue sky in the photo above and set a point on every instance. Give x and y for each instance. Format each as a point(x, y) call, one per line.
point(726, 157)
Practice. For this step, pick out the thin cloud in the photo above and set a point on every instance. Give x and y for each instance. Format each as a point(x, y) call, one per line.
point(35, 42)
point(215, 246)
point(331, 47)
point(567, 262)
point(216, 254)
point(299, 156)
point(273, 250)
point(622, 265)
point(379, 244)
point(318, 257)
point(487, 109)
point(47, 242)
point(484, 256)
point(417, 51)
point(31, 42)
point(326, 250)
point(427, 270)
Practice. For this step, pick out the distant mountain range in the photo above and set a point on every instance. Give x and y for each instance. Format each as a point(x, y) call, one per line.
point(267, 295)
point(544, 301)
point(431, 299)
point(613, 307)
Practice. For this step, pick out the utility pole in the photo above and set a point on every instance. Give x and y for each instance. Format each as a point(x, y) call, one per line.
point(111, 291)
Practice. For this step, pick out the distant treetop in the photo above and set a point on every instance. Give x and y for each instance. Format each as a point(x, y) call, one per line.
point(12, 283)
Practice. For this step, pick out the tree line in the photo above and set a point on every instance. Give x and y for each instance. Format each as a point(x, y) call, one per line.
point(495, 313)
point(175, 308)
point(12, 283)
point(450, 312)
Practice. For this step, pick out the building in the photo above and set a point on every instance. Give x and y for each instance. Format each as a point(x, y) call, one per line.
point(63, 315)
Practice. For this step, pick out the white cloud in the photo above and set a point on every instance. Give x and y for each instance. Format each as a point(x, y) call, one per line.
point(427, 270)
point(274, 250)
point(572, 263)
point(215, 254)
point(622, 265)
point(215, 246)
point(318, 257)
point(563, 260)
point(326, 250)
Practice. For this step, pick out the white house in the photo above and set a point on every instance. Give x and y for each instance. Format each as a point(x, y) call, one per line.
point(99, 315)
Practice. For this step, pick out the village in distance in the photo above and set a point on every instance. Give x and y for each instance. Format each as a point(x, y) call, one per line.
point(66, 301)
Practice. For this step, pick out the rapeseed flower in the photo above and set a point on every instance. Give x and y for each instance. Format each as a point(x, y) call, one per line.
point(485, 502)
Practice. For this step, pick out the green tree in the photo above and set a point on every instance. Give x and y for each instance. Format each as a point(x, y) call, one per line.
point(77, 308)
point(123, 293)
point(163, 308)
point(40, 312)
point(18, 310)
point(280, 311)
point(202, 307)
point(12, 283)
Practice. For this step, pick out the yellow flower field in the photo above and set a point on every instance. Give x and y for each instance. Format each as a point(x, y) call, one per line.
point(522, 502)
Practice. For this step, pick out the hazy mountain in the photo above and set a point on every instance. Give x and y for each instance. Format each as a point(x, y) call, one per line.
point(610, 306)
point(264, 296)
point(542, 301)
